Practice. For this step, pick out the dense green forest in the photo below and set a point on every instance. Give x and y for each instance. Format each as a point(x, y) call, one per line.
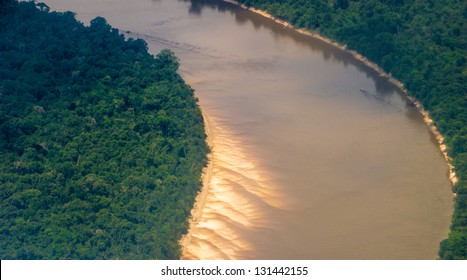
point(101, 144)
point(421, 43)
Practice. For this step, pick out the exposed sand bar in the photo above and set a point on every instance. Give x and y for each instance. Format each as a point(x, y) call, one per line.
point(233, 198)
point(201, 197)
point(426, 116)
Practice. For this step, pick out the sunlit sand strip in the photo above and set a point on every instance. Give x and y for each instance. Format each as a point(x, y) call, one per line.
point(201, 198)
point(426, 116)
point(232, 202)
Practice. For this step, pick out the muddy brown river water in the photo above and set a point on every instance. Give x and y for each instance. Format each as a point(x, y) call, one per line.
point(315, 156)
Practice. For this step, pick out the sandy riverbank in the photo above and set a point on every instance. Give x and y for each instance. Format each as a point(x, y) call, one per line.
point(426, 116)
point(201, 197)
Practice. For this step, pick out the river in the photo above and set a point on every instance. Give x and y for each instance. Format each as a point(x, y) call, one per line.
point(315, 156)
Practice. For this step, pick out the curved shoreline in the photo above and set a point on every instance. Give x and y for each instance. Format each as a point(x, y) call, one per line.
point(200, 199)
point(208, 170)
point(426, 116)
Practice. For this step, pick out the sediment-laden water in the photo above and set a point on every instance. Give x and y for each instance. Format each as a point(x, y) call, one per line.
point(315, 156)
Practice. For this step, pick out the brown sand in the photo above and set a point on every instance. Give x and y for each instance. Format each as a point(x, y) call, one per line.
point(201, 197)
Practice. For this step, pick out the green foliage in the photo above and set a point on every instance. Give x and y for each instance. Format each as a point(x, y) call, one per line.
point(101, 144)
point(421, 43)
